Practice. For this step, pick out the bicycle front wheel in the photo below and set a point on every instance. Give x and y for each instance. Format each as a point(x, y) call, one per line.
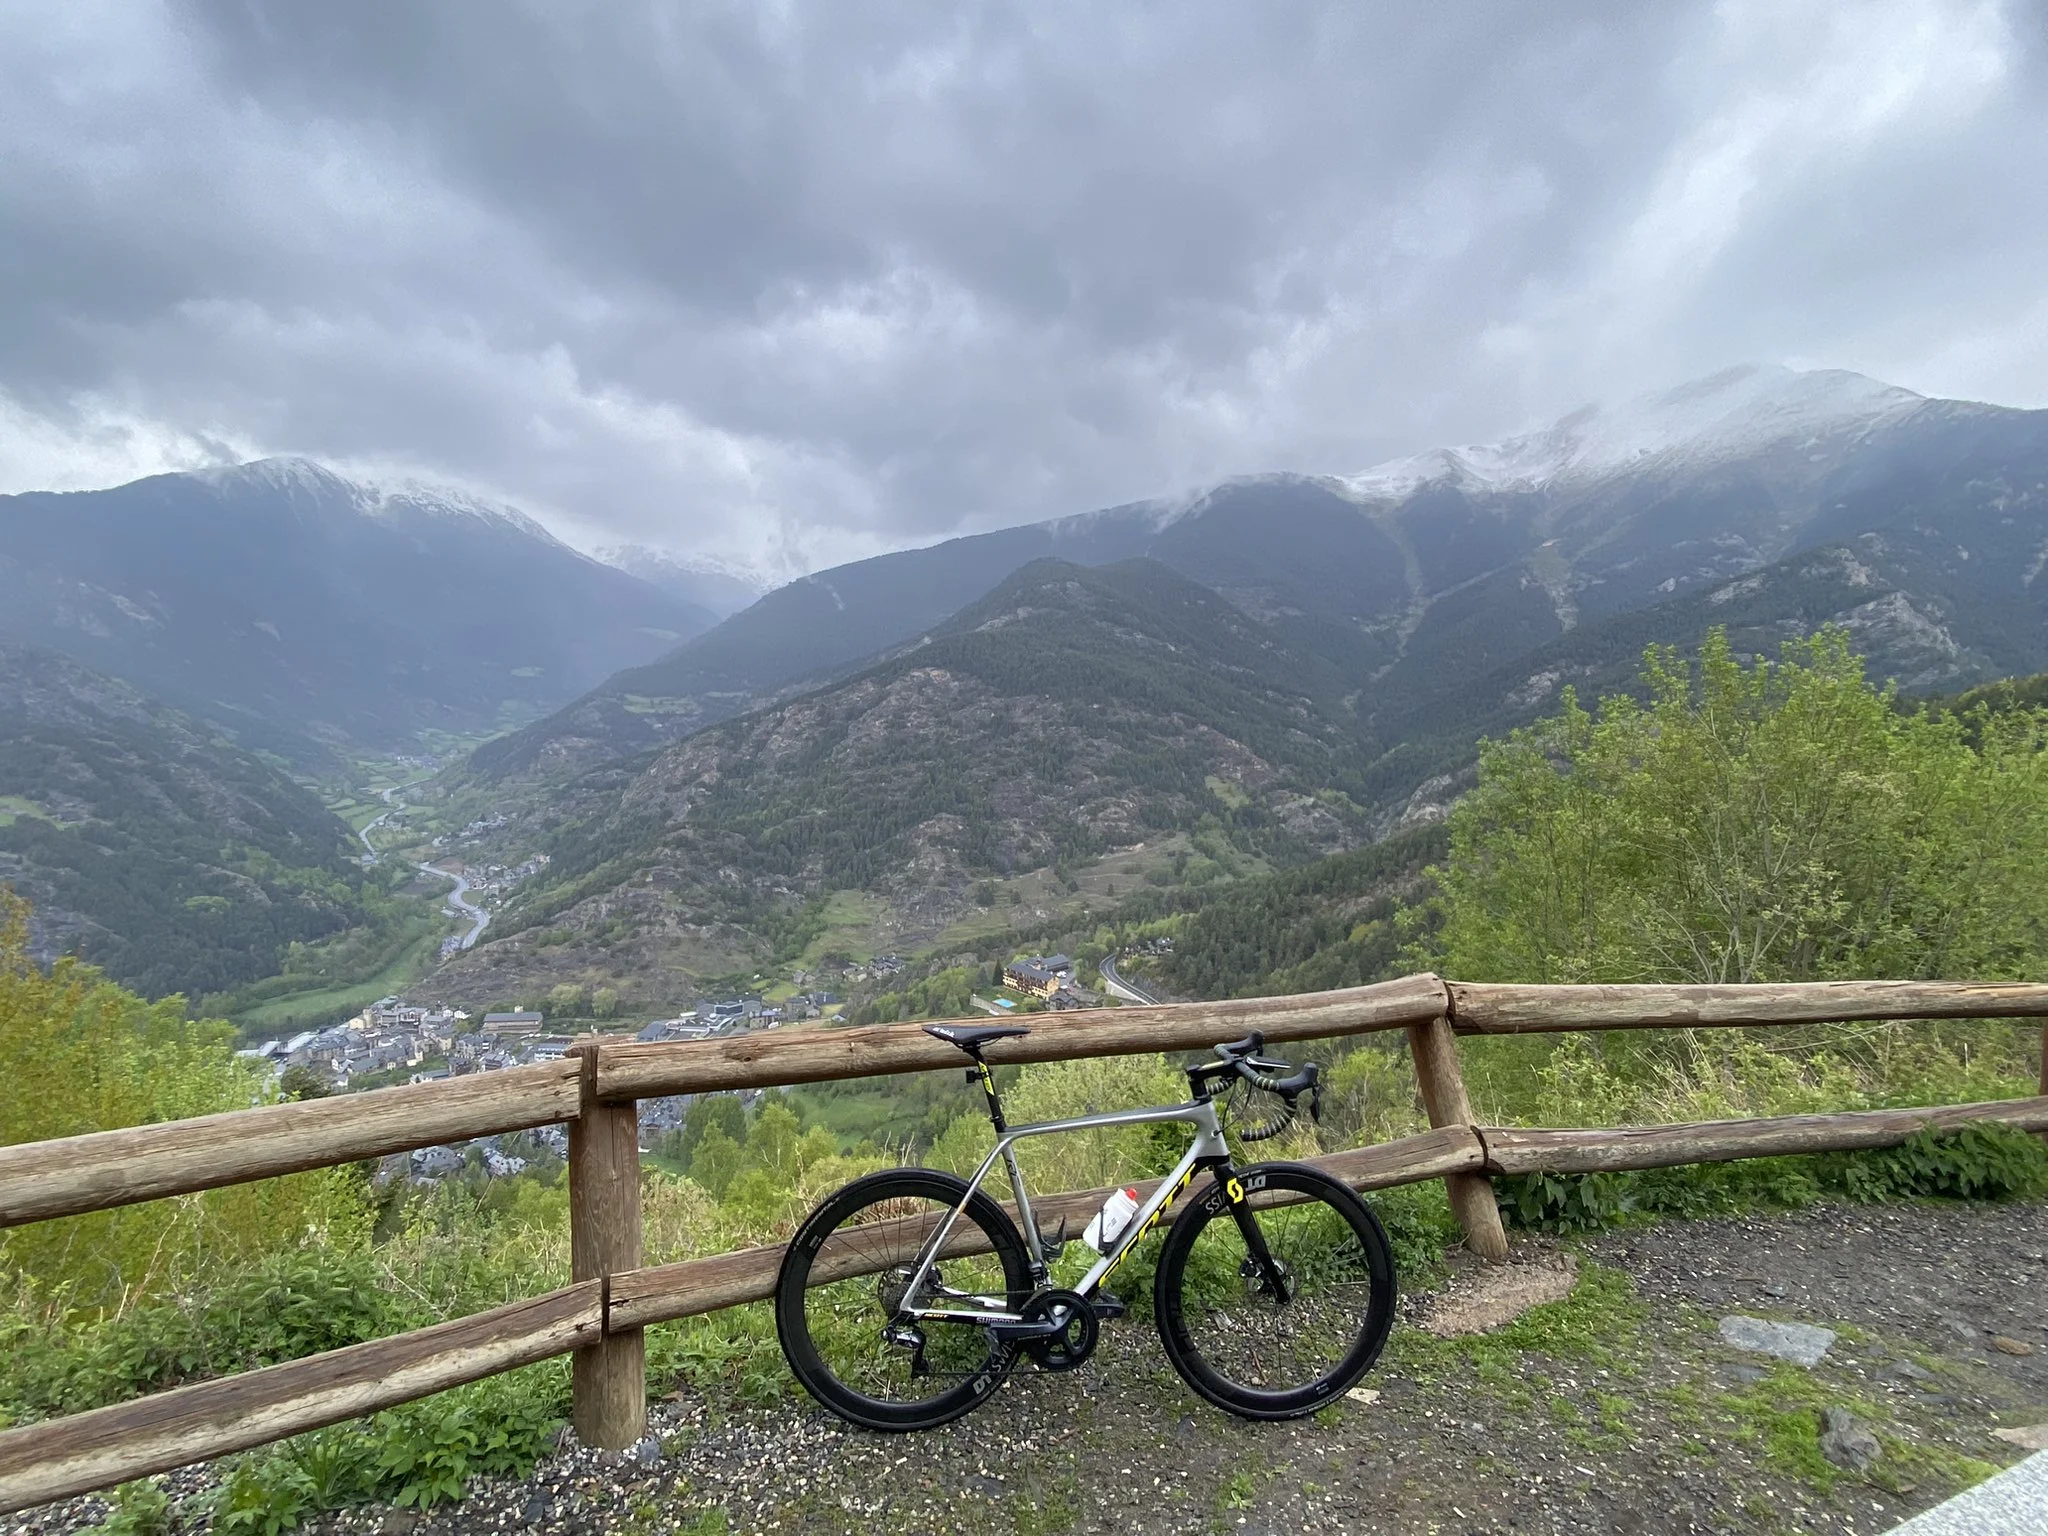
point(1248, 1349)
point(838, 1300)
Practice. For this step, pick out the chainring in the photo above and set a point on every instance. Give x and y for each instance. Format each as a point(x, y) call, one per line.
point(1074, 1343)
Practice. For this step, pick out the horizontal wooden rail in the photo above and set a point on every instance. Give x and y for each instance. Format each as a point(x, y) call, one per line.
point(1510, 1150)
point(63, 1457)
point(763, 1060)
point(42, 1179)
point(1497, 1008)
point(668, 1291)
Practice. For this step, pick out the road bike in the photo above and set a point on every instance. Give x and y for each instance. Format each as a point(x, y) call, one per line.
point(906, 1298)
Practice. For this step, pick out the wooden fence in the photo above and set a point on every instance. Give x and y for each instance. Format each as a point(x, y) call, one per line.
point(599, 1318)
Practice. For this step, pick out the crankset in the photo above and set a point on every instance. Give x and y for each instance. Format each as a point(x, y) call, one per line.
point(1063, 1330)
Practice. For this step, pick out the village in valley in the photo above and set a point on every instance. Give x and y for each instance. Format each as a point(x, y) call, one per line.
point(393, 1041)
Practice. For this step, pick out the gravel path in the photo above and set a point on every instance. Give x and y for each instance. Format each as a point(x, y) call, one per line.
point(1613, 1413)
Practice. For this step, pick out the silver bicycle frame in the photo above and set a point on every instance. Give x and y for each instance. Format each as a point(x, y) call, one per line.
point(1208, 1144)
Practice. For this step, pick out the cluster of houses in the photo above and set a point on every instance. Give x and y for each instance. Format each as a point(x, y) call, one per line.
point(438, 1042)
point(475, 829)
point(385, 1035)
point(498, 879)
point(881, 968)
point(1050, 977)
point(733, 1014)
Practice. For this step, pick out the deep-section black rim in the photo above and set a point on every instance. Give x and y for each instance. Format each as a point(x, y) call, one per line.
point(1230, 1340)
point(843, 1274)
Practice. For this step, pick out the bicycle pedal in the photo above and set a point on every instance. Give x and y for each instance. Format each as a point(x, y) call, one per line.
point(1108, 1308)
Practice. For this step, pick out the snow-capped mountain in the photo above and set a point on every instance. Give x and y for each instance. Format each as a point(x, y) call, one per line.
point(717, 586)
point(282, 596)
point(1739, 413)
point(1424, 578)
point(294, 481)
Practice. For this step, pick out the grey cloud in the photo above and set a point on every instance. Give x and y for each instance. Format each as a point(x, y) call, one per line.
point(795, 282)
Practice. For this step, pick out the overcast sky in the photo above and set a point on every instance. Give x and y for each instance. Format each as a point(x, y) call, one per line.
point(792, 282)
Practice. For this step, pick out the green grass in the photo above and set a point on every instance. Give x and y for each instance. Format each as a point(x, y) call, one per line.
point(348, 998)
point(1780, 1418)
point(1227, 792)
point(850, 920)
point(14, 807)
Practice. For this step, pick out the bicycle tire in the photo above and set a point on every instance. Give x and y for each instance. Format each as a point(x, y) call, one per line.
point(830, 1324)
point(1241, 1350)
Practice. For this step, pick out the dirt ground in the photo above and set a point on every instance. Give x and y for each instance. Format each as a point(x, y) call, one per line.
point(1619, 1409)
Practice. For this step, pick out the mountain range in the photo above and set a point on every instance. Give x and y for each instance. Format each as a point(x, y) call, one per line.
point(1427, 576)
point(1274, 668)
point(305, 611)
point(912, 723)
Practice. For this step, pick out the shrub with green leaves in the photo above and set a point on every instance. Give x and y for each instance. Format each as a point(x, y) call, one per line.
point(1976, 1161)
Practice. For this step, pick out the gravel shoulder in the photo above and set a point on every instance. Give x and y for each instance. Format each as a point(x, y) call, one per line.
point(1620, 1409)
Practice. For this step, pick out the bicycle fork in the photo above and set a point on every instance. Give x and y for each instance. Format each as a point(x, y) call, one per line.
point(1260, 1264)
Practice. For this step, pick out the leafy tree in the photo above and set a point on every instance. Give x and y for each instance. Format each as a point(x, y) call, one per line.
point(712, 1111)
point(568, 998)
point(604, 1002)
point(1767, 822)
point(715, 1162)
point(80, 1054)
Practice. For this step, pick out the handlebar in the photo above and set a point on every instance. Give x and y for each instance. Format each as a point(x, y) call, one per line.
point(1241, 1059)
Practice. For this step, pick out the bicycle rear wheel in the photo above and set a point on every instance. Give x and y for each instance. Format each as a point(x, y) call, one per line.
point(842, 1283)
point(1247, 1350)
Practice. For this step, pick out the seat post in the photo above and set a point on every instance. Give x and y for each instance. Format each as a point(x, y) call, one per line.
point(980, 1072)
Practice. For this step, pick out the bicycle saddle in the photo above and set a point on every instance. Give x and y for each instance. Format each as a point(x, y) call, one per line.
point(972, 1037)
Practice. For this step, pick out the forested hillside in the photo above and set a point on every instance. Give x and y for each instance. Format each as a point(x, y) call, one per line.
point(1068, 713)
point(175, 860)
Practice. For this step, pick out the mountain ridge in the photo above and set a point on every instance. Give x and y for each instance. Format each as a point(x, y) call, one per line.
point(283, 593)
point(1677, 491)
point(1071, 711)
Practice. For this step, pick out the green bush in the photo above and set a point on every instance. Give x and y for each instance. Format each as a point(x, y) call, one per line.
point(1978, 1161)
point(289, 1304)
point(140, 1509)
point(1983, 1161)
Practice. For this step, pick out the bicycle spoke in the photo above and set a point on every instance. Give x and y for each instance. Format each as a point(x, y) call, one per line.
point(1248, 1349)
point(857, 1281)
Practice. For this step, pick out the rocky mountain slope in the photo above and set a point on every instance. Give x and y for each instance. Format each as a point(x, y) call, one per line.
point(149, 845)
point(1391, 620)
point(287, 601)
point(1069, 712)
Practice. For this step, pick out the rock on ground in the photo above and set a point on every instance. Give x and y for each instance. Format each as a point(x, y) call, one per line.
point(1799, 1343)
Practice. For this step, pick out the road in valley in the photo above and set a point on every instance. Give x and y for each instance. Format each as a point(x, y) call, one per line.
point(1116, 986)
point(479, 919)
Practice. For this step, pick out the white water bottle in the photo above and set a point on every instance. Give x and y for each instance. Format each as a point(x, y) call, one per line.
point(1110, 1221)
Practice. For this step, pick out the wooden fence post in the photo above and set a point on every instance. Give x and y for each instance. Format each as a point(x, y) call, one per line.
point(1435, 1052)
point(610, 1376)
